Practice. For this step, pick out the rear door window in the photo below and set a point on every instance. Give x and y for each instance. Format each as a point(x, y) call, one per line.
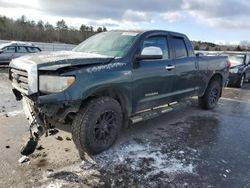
point(179, 47)
point(33, 49)
point(21, 49)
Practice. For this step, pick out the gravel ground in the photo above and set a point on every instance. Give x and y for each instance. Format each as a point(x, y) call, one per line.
point(189, 147)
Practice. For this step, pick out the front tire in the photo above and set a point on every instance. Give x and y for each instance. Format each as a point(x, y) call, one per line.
point(97, 125)
point(212, 94)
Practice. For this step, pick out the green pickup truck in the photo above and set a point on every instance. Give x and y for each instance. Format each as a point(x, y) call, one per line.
point(111, 80)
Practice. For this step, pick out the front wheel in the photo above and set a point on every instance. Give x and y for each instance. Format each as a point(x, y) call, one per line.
point(96, 126)
point(212, 94)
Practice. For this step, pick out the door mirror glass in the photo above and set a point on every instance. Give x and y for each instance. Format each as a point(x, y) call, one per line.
point(150, 53)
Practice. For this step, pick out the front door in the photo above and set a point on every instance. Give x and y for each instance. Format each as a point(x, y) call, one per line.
point(152, 81)
point(7, 54)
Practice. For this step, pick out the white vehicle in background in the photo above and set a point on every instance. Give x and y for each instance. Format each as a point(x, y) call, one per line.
point(12, 50)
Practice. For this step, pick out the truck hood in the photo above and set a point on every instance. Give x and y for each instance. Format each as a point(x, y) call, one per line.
point(56, 60)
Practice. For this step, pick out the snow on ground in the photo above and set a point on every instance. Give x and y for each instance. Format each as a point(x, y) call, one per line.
point(15, 113)
point(159, 162)
point(127, 164)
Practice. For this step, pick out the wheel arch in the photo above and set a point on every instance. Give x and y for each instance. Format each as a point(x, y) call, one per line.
point(219, 77)
point(215, 76)
point(117, 94)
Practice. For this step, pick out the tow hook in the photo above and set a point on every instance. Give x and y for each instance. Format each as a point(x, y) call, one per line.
point(31, 144)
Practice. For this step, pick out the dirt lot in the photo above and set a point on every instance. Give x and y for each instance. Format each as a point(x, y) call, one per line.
point(189, 147)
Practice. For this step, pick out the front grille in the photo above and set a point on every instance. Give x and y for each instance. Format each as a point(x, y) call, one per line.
point(19, 78)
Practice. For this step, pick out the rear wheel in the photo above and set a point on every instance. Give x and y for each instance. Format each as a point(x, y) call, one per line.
point(240, 83)
point(212, 94)
point(97, 125)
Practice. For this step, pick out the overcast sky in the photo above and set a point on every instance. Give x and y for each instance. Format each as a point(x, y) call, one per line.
point(211, 20)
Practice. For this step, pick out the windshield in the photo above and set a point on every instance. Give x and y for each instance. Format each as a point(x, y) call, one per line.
point(235, 59)
point(108, 43)
point(3, 45)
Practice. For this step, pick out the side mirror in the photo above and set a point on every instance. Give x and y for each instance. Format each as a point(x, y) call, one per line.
point(150, 53)
point(1, 51)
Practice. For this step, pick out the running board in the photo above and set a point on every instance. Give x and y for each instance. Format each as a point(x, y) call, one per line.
point(155, 112)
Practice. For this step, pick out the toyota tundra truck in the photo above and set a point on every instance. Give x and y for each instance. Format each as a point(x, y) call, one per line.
point(112, 80)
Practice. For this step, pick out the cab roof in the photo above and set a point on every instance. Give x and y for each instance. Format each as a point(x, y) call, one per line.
point(150, 32)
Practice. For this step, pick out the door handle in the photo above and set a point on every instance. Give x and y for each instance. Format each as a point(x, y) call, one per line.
point(170, 67)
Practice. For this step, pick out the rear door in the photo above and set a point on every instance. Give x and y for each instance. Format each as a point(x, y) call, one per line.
point(186, 68)
point(152, 82)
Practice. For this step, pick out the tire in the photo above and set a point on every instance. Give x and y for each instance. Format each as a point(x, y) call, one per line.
point(211, 96)
point(240, 83)
point(97, 125)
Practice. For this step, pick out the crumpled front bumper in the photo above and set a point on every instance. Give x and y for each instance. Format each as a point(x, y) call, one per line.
point(31, 113)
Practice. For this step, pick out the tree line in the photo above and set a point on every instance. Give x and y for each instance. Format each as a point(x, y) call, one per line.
point(208, 46)
point(23, 29)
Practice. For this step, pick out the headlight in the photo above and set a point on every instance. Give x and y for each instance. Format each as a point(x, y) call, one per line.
point(54, 84)
point(234, 70)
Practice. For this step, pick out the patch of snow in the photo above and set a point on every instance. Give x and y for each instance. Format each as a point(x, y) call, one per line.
point(15, 113)
point(159, 162)
point(181, 152)
point(175, 165)
point(144, 161)
point(23, 159)
point(55, 184)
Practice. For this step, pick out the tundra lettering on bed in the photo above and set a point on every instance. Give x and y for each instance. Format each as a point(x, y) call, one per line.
point(111, 80)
